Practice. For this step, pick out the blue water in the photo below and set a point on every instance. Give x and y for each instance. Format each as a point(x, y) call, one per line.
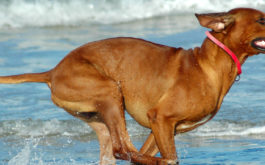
point(33, 131)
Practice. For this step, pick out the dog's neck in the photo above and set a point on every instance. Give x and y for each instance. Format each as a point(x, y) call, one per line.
point(227, 50)
point(211, 55)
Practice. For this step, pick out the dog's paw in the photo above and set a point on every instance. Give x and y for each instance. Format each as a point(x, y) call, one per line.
point(172, 162)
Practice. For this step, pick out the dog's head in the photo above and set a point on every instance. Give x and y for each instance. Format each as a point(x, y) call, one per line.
point(244, 28)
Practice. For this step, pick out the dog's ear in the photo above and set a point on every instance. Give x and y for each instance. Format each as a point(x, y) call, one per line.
point(215, 21)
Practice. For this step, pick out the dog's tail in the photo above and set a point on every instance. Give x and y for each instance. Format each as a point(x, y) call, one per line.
point(28, 77)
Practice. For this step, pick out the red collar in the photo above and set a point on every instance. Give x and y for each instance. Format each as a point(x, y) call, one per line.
point(221, 45)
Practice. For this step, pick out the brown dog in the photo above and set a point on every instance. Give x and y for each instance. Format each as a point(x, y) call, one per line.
point(170, 90)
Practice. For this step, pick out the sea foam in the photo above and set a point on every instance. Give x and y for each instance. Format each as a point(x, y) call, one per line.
point(75, 128)
point(43, 13)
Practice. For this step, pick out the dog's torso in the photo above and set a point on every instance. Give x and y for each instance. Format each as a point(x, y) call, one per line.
point(151, 76)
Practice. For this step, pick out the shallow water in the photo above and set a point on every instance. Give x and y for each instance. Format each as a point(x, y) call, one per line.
point(36, 132)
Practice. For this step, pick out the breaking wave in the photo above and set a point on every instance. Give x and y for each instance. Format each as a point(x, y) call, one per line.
point(43, 13)
point(228, 128)
point(76, 128)
point(41, 128)
point(61, 134)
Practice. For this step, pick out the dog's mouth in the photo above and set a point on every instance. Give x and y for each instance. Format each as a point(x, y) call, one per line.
point(259, 43)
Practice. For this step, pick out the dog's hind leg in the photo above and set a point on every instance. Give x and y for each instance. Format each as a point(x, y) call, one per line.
point(112, 113)
point(83, 91)
point(95, 122)
point(111, 110)
point(106, 153)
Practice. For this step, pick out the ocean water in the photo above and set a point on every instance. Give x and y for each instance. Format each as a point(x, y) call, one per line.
point(36, 34)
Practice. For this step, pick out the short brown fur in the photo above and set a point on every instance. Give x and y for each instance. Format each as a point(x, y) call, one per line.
point(169, 90)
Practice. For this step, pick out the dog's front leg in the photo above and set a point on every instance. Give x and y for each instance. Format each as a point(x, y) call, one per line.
point(149, 147)
point(163, 129)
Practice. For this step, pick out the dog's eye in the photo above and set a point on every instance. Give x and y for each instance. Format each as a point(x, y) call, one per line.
point(261, 21)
